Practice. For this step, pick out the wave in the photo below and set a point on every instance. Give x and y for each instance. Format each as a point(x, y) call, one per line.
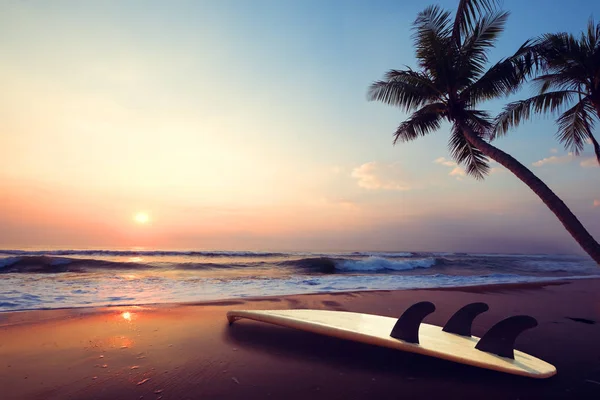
point(515, 255)
point(325, 265)
point(45, 264)
point(7, 262)
point(312, 264)
point(382, 254)
point(550, 265)
point(372, 264)
point(350, 263)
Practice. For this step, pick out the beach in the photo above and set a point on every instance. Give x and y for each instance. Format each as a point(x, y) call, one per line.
point(179, 351)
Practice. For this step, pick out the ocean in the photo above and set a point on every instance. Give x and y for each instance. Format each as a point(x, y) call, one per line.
point(46, 279)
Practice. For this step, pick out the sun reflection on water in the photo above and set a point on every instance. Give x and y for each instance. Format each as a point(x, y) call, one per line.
point(126, 316)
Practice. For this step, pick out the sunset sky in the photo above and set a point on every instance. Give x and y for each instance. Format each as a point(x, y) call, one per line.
point(244, 125)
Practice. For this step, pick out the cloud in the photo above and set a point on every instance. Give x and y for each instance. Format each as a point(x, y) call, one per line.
point(554, 160)
point(588, 141)
point(596, 203)
point(457, 171)
point(443, 161)
point(554, 151)
point(589, 162)
point(375, 175)
point(586, 161)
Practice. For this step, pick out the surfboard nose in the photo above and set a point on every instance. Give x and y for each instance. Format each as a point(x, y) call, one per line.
point(231, 317)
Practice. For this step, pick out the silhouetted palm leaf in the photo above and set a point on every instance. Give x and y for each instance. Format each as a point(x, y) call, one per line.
point(516, 112)
point(567, 69)
point(476, 46)
point(558, 81)
point(475, 162)
point(479, 121)
point(400, 94)
point(467, 14)
point(574, 126)
point(503, 78)
point(431, 37)
point(421, 122)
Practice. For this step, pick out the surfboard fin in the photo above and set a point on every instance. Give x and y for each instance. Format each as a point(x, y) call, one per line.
point(500, 338)
point(407, 326)
point(460, 323)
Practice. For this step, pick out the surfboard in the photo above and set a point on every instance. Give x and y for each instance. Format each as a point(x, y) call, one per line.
point(375, 330)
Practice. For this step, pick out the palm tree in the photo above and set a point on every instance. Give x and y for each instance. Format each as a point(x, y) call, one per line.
point(451, 80)
point(568, 73)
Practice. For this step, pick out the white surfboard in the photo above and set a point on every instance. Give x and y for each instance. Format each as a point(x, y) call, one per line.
point(375, 330)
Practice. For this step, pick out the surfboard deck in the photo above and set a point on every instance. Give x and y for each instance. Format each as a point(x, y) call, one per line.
point(375, 330)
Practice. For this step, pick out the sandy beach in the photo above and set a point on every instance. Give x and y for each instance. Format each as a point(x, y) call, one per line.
point(181, 351)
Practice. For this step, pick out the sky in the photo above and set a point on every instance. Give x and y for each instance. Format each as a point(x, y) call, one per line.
point(244, 125)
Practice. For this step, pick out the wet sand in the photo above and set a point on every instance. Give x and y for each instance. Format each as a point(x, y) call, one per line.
point(189, 351)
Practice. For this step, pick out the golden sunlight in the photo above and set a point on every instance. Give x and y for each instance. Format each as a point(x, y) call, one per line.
point(126, 315)
point(141, 218)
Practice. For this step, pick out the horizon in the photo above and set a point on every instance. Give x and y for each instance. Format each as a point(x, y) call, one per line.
point(231, 126)
point(50, 250)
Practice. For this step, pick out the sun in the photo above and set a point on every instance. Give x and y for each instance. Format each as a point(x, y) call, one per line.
point(141, 217)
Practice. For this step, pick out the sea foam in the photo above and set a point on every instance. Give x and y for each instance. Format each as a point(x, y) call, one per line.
point(373, 263)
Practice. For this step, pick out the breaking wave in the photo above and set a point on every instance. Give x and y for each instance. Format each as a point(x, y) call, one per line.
point(326, 265)
point(381, 264)
point(289, 263)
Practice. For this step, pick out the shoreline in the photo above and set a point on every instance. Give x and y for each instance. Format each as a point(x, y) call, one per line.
point(187, 350)
point(474, 287)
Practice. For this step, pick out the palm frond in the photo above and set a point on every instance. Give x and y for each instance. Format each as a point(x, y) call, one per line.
point(576, 125)
point(558, 82)
point(432, 19)
point(415, 78)
point(517, 111)
point(559, 52)
point(591, 38)
point(480, 121)
point(475, 162)
point(527, 60)
point(474, 51)
point(405, 90)
point(420, 123)
point(467, 12)
point(502, 79)
point(431, 37)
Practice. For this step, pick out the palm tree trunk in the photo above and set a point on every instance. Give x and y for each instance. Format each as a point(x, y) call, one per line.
point(596, 145)
point(592, 138)
point(552, 201)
